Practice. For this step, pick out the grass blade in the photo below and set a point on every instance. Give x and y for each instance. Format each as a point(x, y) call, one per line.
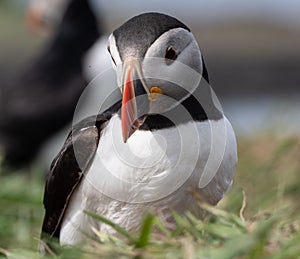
point(145, 231)
point(115, 226)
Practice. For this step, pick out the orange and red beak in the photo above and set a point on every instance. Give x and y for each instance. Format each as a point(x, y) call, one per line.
point(135, 103)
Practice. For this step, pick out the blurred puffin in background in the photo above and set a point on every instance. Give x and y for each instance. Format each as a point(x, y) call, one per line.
point(41, 102)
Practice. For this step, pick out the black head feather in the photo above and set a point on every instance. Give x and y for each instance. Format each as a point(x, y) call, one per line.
point(141, 31)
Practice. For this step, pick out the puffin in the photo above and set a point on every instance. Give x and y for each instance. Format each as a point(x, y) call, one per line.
point(163, 146)
point(41, 101)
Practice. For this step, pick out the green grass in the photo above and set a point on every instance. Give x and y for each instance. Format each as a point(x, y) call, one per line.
point(258, 218)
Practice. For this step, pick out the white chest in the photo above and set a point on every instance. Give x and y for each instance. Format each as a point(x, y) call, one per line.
point(150, 166)
point(154, 171)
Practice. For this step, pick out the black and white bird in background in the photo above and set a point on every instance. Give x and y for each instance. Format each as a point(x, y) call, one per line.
point(166, 140)
point(40, 102)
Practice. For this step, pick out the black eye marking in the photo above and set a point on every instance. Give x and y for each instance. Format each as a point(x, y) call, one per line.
point(170, 55)
point(108, 49)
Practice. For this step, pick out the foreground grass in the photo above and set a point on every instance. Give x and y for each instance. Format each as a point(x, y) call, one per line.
point(259, 218)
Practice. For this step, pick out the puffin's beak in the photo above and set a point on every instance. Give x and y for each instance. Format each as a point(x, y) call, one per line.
point(135, 102)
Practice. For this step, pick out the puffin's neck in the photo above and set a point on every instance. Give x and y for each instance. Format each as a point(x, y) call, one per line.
point(191, 109)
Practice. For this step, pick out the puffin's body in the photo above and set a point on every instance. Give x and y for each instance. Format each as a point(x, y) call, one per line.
point(153, 150)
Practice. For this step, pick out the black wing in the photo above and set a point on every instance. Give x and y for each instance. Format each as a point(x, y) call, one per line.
point(67, 170)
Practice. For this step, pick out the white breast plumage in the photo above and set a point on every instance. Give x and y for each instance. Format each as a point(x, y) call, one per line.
point(154, 170)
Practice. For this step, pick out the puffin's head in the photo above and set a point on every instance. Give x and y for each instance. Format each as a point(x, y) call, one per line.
point(158, 65)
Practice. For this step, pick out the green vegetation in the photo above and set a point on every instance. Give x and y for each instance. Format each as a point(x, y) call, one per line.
point(258, 218)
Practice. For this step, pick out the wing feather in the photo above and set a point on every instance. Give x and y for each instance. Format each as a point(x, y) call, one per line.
point(67, 169)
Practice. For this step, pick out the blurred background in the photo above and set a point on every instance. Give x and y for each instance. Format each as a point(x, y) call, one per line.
point(252, 52)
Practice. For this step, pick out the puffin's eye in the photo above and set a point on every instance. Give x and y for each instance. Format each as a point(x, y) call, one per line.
point(170, 55)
